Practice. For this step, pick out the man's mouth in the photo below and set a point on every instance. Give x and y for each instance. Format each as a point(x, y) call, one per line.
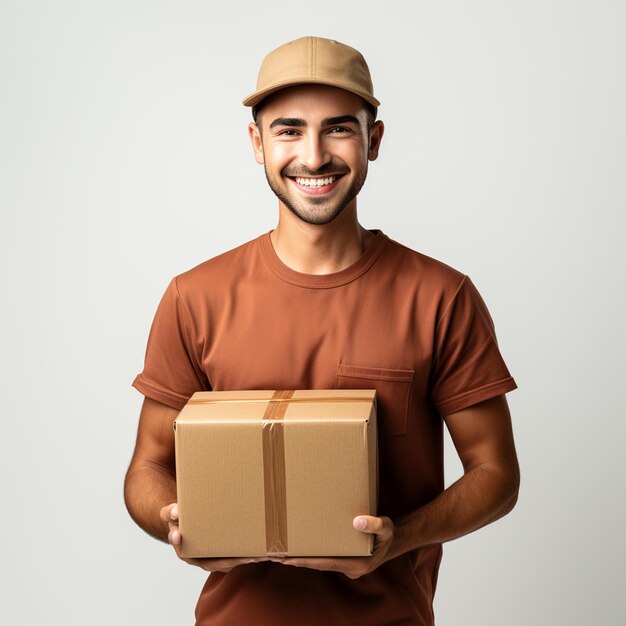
point(317, 185)
point(315, 182)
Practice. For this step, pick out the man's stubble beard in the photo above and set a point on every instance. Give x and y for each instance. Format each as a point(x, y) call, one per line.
point(326, 215)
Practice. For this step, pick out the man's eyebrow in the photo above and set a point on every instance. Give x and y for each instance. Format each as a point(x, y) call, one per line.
point(342, 119)
point(287, 121)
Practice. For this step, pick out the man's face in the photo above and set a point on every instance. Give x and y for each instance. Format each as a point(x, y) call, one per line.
point(314, 144)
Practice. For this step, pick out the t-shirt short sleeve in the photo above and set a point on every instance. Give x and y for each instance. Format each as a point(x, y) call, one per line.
point(172, 370)
point(467, 366)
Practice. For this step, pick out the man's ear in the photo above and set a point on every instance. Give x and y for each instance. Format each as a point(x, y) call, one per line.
point(376, 136)
point(257, 143)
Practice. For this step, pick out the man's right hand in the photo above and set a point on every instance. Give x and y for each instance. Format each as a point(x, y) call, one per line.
point(169, 516)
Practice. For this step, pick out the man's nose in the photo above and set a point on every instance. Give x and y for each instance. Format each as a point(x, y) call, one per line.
point(315, 152)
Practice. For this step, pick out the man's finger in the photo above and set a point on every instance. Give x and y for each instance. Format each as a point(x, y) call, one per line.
point(322, 564)
point(225, 565)
point(169, 513)
point(369, 524)
point(350, 567)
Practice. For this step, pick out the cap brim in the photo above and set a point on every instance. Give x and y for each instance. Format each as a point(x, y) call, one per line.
point(254, 98)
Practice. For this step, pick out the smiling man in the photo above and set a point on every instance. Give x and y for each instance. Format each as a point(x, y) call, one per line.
point(317, 303)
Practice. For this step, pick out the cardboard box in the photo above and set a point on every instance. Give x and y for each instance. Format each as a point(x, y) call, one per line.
point(276, 472)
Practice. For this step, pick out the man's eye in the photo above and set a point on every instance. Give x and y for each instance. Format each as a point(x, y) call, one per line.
point(339, 129)
point(288, 132)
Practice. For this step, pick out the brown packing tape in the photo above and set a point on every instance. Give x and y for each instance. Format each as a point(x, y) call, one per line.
point(276, 400)
point(279, 400)
point(274, 474)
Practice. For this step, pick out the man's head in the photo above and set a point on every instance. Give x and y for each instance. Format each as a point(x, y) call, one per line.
point(314, 126)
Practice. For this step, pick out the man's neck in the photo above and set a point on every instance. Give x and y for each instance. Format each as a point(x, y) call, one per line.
point(323, 249)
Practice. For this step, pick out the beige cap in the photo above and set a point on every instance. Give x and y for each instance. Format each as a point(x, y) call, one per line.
point(313, 60)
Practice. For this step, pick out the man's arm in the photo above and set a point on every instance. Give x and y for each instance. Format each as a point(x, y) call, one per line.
point(483, 437)
point(150, 481)
point(150, 485)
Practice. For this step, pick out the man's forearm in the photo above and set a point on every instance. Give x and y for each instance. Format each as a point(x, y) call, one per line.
point(481, 496)
point(147, 489)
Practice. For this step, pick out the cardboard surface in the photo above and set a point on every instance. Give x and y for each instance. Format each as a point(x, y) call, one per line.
point(257, 474)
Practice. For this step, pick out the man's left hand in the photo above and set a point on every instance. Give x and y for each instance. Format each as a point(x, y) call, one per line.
point(353, 567)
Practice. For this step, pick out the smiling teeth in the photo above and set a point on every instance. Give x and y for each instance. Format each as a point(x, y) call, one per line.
point(315, 182)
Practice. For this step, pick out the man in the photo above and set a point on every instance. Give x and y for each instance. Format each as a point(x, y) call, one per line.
point(320, 302)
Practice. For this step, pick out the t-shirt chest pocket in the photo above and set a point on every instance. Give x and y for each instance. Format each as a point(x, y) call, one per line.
point(393, 390)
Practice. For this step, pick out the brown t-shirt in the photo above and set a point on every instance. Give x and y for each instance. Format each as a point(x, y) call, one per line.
point(396, 321)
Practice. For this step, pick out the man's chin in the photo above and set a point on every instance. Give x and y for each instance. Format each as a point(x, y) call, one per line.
point(315, 210)
point(315, 218)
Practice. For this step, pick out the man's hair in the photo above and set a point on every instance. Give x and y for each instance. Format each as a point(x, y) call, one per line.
point(370, 110)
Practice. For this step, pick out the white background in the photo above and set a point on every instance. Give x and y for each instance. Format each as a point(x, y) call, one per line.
point(124, 160)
